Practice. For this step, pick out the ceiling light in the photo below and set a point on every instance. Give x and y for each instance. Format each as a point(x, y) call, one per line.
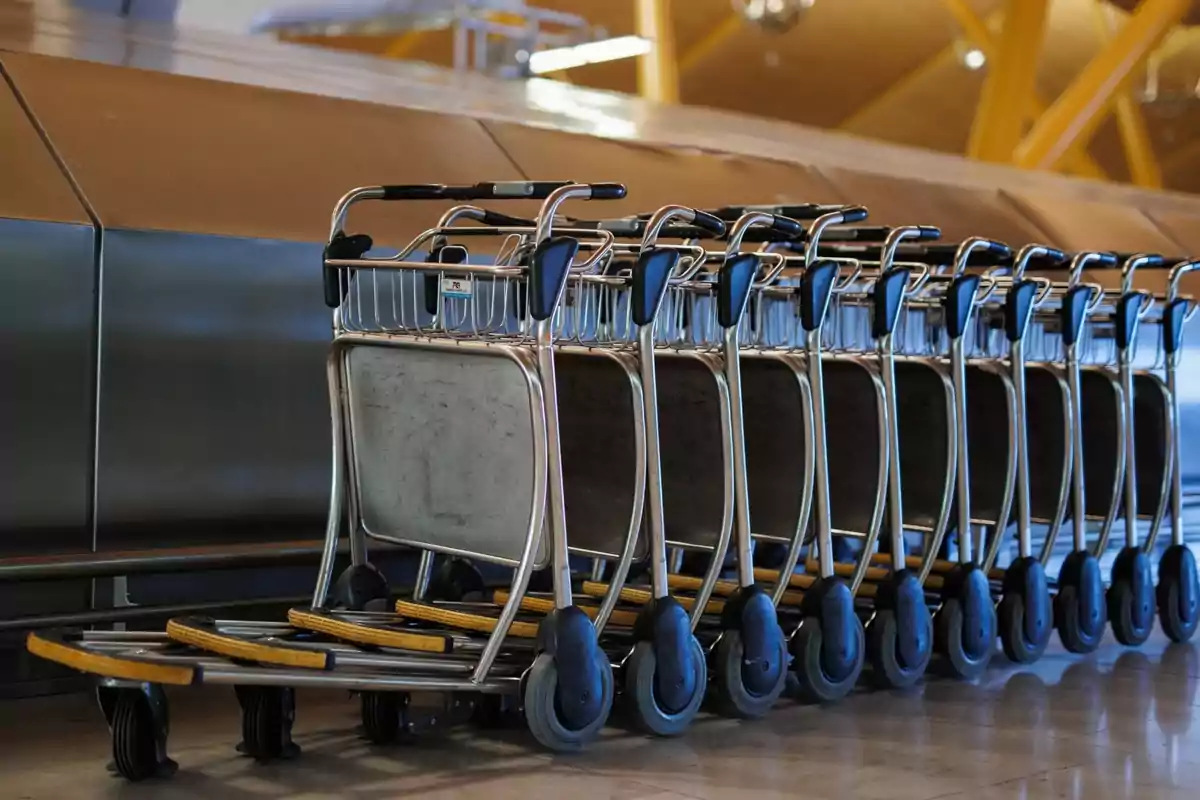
point(578, 55)
point(974, 59)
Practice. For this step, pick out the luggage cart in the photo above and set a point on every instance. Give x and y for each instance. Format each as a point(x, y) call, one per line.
point(663, 665)
point(1130, 597)
point(917, 400)
point(1024, 613)
point(1080, 613)
point(1178, 590)
point(964, 620)
point(697, 440)
point(383, 656)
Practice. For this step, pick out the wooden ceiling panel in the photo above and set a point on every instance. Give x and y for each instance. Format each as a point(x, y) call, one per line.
point(1075, 224)
point(657, 176)
point(959, 212)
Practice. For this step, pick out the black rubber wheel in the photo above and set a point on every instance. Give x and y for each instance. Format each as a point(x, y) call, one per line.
point(642, 697)
point(383, 716)
point(361, 588)
point(815, 686)
point(1011, 619)
point(1175, 625)
point(1121, 615)
point(887, 669)
point(542, 709)
point(134, 738)
point(948, 639)
point(1070, 629)
point(456, 580)
point(732, 697)
point(263, 724)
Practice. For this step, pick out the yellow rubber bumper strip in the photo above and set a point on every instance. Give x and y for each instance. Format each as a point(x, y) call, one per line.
point(462, 620)
point(642, 596)
point(372, 635)
point(540, 605)
point(201, 634)
point(110, 666)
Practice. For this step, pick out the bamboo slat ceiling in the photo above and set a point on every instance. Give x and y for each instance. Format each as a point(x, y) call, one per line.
point(883, 69)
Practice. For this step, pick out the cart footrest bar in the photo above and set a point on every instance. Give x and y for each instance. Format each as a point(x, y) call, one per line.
point(373, 635)
point(462, 619)
point(541, 605)
point(203, 634)
point(129, 668)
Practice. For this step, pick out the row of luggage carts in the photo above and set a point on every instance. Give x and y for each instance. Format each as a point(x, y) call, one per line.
point(714, 456)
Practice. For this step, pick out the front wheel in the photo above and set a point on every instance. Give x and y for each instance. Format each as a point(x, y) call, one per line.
point(643, 698)
point(815, 683)
point(734, 697)
point(542, 705)
point(890, 669)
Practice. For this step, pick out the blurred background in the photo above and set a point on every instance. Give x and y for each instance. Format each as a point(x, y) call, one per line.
point(915, 72)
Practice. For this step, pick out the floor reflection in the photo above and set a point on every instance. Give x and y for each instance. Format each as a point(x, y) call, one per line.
point(1118, 724)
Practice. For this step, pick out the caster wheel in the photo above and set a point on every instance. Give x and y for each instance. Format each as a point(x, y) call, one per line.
point(542, 705)
point(456, 580)
point(137, 740)
point(361, 588)
point(643, 697)
point(384, 717)
point(890, 669)
point(267, 716)
point(1131, 598)
point(734, 698)
point(900, 635)
point(965, 625)
point(1079, 606)
point(1125, 612)
point(1025, 616)
point(1011, 620)
point(816, 685)
point(1178, 594)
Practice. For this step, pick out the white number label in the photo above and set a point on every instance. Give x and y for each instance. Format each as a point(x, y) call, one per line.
point(456, 287)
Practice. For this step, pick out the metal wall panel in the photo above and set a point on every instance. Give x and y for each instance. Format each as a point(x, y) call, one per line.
point(214, 419)
point(46, 395)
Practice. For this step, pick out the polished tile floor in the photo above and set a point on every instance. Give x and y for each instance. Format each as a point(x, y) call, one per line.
point(1118, 724)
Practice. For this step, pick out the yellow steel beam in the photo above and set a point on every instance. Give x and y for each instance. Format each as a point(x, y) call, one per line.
point(710, 41)
point(1076, 114)
point(979, 32)
point(1135, 136)
point(403, 45)
point(658, 71)
point(1010, 83)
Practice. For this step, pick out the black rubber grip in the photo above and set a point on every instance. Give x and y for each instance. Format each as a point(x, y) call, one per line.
point(1073, 311)
point(709, 222)
point(492, 190)
point(858, 233)
point(1152, 261)
point(850, 214)
point(1101, 261)
point(1018, 308)
point(650, 276)
point(816, 288)
point(886, 297)
point(1047, 260)
point(926, 233)
point(342, 247)
point(785, 226)
point(958, 302)
point(549, 266)
point(734, 281)
point(607, 191)
point(1172, 324)
point(495, 219)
